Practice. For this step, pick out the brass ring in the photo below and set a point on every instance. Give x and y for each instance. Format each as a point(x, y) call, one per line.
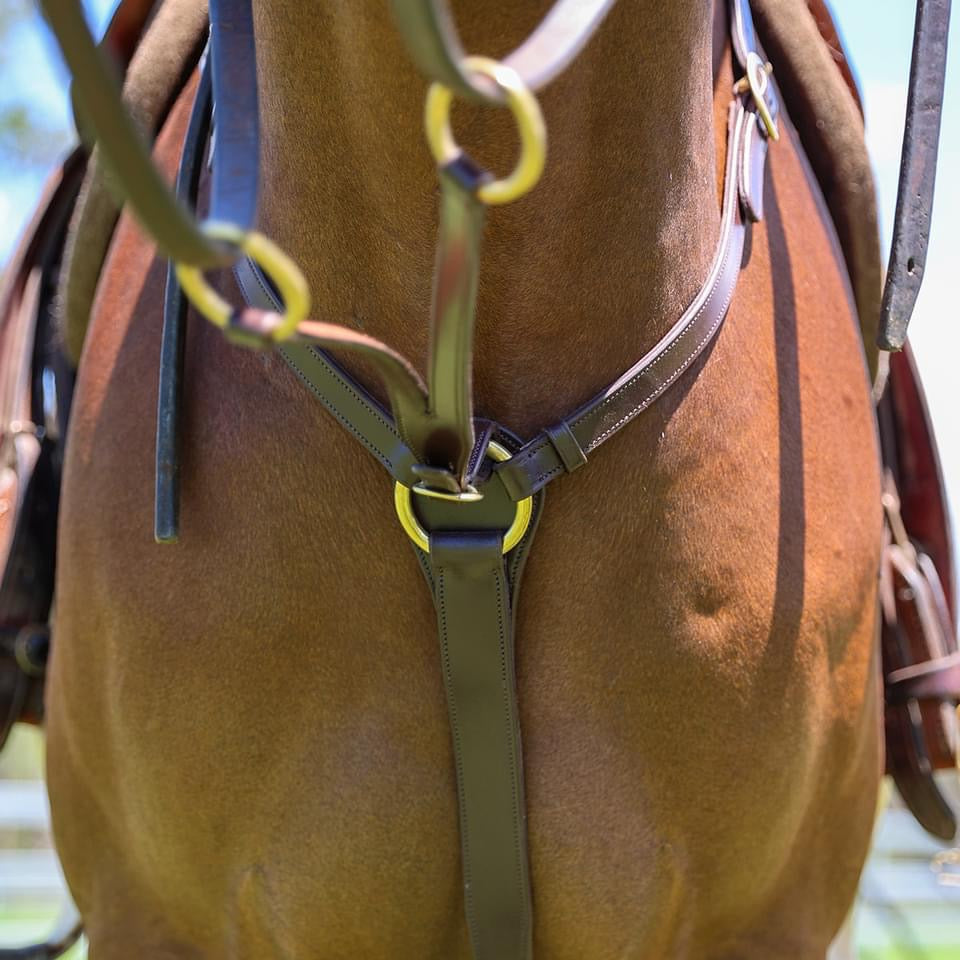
point(530, 127)
point(403, 501)
point(290, 282)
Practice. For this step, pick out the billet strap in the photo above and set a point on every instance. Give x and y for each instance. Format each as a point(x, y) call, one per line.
point(917, 674)
point(428, 29)
point(918, 171)
point(564, 446)
point(166, 523)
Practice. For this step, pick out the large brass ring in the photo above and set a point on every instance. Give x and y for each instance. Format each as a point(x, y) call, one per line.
point(403, 501)
point(530, 127)
point(290, 282)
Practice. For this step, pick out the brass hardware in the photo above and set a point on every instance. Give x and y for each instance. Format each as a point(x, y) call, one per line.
point(470, 495)
point(756, 79)
point(403, 502)
point(530, 127)
point(291, 284)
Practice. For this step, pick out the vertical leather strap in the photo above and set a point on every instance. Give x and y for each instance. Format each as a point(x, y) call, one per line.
point(166, 511)
point(472, 599)
point(447, 438)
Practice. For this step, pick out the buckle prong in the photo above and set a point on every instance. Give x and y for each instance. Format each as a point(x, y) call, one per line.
point(403, 502)
point(756, 79)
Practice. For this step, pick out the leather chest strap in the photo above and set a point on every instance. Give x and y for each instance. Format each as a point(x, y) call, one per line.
point(343, 397)
point(564, 447)
point(472, 599)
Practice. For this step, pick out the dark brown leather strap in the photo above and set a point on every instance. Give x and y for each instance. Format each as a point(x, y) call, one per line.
point(540, 461)
point(343, 397)
point(428, 29)
point(472, 599)
point(166, 522)
point(447, 439)
point(236, 158)
point(918, 170)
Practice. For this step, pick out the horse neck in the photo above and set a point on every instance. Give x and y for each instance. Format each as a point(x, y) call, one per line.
point(579, 277)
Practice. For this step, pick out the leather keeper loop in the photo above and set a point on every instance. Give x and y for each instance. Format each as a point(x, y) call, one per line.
point(566, 445)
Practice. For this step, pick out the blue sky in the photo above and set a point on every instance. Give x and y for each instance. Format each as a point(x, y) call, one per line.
point(878, 36)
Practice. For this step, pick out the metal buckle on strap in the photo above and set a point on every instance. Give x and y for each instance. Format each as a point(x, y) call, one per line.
point(403, 502)
point(756, 81)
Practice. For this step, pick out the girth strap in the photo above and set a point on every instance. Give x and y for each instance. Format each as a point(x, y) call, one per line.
point(472, 599)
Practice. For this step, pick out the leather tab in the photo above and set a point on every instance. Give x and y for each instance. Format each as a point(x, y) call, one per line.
point(472, 599)
point(566, 445)
point(752, 164)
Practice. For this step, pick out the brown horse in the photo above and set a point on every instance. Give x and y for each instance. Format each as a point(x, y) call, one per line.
point(249, 753)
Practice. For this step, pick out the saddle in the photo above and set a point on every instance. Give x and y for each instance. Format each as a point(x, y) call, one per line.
point(921, 662)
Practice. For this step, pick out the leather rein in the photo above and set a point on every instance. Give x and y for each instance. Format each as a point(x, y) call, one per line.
point(468, 492)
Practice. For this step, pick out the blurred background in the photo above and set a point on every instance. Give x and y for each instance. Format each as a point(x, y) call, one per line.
point(909, 906)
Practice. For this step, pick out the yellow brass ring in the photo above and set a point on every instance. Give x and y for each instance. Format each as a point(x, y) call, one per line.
point(286, 275)
point(530, 127)
point(403, 501)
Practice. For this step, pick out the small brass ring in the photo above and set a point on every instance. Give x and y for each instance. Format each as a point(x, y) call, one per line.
point(290, 282)
point(530, 127)
point(403, 501)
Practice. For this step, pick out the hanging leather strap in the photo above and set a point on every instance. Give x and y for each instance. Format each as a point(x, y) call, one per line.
point(166, 519)
point(918, 171)
point(472, 599)
point(447, 433)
